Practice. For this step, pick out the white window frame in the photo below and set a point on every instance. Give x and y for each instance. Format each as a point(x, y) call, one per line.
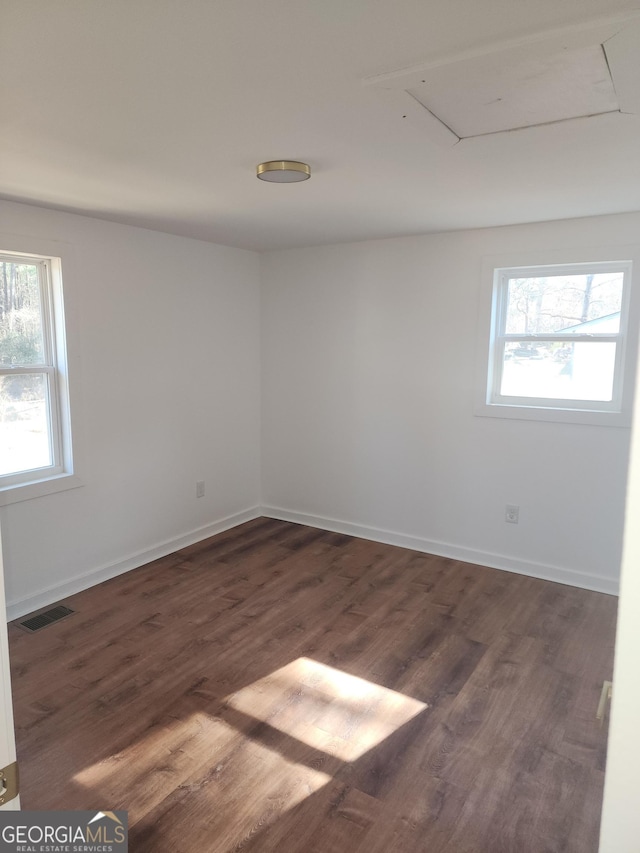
point(492, 338)
point(60, 474)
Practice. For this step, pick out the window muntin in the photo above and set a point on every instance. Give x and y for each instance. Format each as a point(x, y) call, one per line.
point(30, 395)
point(557, 338)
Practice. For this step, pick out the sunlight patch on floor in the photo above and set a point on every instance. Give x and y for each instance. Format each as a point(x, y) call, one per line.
point(326, 708)
point(207, 758)
point(268, 747)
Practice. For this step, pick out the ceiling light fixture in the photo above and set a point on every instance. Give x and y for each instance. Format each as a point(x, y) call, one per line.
point(283, 171)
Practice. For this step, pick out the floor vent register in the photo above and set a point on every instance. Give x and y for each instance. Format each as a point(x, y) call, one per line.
point(47, 617)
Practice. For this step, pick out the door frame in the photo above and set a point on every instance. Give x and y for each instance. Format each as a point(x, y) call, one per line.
point(7, 728)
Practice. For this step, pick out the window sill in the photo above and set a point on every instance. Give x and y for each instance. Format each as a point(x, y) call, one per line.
point(39, 488)
point(563, 416)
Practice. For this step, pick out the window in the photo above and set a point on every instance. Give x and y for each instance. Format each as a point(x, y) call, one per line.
point(557, 341)
point(35, 440)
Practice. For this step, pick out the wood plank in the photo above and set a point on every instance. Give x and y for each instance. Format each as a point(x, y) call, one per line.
point(281, 688)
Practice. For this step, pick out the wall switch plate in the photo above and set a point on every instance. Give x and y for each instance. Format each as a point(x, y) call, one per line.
point(200, 489)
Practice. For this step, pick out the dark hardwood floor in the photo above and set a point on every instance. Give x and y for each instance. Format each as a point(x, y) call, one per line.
point(281, 688)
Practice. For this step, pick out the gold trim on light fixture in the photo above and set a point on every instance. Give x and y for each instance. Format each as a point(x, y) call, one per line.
point(283, 171)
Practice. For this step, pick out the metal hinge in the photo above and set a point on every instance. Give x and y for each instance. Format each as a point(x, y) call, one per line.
point(605, 697)
point(10, 781)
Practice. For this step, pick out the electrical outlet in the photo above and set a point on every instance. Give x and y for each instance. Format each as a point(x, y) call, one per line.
point(511, 514)
point(200, 489)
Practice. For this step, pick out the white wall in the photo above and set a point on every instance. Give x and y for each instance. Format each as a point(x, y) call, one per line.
point(368, 369)
point(620, 829)
point(163, 334)
point(369, 357)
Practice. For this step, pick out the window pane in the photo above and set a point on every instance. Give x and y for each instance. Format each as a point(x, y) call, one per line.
point(24, 429)
point(571, 371)
point(21, 339)
point(582, 304)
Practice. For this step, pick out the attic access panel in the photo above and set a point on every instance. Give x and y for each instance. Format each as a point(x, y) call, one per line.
point(523, 88)
point(583, 70)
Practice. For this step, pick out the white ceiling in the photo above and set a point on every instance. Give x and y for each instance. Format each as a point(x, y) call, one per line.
point(156, 113)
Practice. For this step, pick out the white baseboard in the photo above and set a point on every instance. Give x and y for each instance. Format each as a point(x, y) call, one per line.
point(49, 595)
point(570, 577)
point(19, 607)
